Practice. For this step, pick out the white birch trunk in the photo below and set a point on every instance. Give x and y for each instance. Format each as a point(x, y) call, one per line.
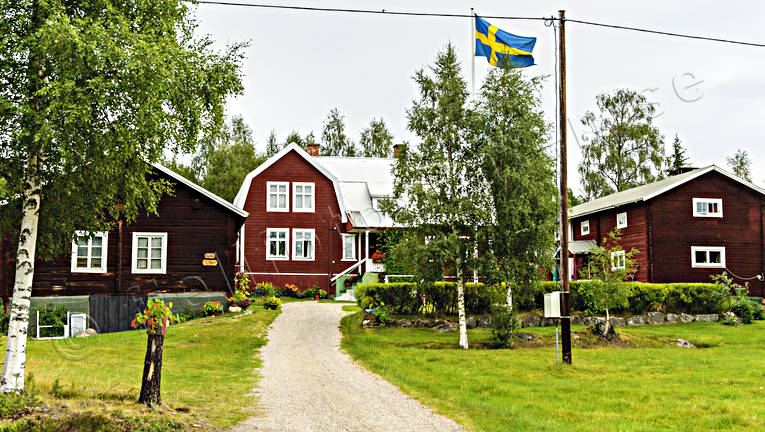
point(509, 296)
point(461, 305)
point(12, 379)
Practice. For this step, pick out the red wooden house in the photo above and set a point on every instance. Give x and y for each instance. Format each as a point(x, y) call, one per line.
point(314, 220)
point(685, 228)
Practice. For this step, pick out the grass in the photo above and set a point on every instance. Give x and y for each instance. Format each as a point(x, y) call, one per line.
point(209, 368)
point(652, 385)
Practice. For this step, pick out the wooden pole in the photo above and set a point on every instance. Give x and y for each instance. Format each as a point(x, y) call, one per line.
point(565, 320)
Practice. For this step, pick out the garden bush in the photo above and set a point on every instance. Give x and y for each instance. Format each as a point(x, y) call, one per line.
point(504, 325)
point(55, 316)
point(438, 298)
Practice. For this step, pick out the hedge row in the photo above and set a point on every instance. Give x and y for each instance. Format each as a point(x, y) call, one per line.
point(441, 298)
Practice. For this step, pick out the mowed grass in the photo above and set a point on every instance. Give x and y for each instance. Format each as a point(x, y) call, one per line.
point(651, 386)
point(209, 368)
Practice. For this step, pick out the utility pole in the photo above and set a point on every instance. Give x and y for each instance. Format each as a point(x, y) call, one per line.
point(565, 320)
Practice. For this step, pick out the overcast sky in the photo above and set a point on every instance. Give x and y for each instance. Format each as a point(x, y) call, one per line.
point(301, 64)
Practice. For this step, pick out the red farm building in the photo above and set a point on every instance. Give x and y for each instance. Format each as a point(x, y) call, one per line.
point(685, 228)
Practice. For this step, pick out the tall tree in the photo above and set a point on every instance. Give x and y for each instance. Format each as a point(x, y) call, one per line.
point(376, 140)
point(434, 176)
point(625, 149)
point(272, 145)
point(91, 92)
point(677, 160)
point(225, 158)
point(520, 221)
point(333, 138)
point(740, 164)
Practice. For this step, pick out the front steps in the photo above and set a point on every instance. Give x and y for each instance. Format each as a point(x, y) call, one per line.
point(348, 295)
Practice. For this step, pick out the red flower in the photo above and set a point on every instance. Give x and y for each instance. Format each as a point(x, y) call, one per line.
point(317, 296)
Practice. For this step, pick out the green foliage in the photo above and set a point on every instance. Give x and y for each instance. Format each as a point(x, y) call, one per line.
point(438, 298)
point(95, 422)
point(52, 315)
point(504, 325)
point(741, 165)
point(16, 404)
point(211, 307)
point(333, 138)
point(517, 176)
point(315, 291)
point(380, 311)
point(272, 302)
point(608, 269)
point(156, 317)
point(625, 149)
point(740, 303)
point(677, 159)
point(4, 321)
point(96, 90)
point(376, 140)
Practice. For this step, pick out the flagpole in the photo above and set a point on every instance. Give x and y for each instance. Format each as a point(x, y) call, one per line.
point(565, 319)
point(472, 58)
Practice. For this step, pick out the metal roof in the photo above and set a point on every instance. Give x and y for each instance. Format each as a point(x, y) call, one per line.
point(648, 191)
point(578, 247)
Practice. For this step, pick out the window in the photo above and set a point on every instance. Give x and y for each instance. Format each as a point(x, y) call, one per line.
point(278, 199)
point(303, 200)
point(707, 257)
point(621, 220)
point(149, 252)
point(584, 227)
point(618, 260)
point(349, 247)
point(707, 207)
point(303, 244)
point(276, 244)
point(89, 252)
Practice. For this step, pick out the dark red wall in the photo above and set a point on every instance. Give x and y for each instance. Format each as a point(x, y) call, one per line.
point(195, 225)
point(325, 221)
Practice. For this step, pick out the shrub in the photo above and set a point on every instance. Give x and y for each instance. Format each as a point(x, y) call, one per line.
point(438, 298)
point(211, 308)
point(381, 313)
point(266, 289)
point(55, 316)
point(504, 325)
point(315, 292)
point(15, 404)
point(290, 290)
point(242, 283)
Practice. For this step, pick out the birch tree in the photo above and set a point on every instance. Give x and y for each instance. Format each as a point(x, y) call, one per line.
point(517, 232)
point(89, 93)
point(376, 140)
point(333, 138)
point(432, 189)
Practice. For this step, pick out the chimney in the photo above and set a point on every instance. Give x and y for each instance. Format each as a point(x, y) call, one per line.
point(399, 150)
point(313, 149)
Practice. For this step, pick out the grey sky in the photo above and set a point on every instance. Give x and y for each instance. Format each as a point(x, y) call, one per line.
point(301, 64)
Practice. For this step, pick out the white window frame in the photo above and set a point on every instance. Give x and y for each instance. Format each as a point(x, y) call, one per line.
point(295, 208)
point(353, 246)
point(295, 240)
point(717, 201)
point(286, 256)
point(582, 225)
point(618, 260)
point(619, 223)
point(163, 261)
point(104, 252)
point(286, 196)
point(707, 249)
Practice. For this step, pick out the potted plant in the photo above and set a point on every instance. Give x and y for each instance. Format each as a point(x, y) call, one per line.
point(272, 303)
point(378, 257)
point(211, 308)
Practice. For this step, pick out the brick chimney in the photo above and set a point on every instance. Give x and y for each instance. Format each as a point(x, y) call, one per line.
point(313, 149)
point(398, 150)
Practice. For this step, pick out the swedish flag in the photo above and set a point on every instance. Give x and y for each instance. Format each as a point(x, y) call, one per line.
point(498, 46)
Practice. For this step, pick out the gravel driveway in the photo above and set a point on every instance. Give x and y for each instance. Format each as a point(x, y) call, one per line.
point(309, 385)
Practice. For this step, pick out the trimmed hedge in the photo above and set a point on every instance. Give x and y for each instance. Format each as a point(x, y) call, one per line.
point(441, 298)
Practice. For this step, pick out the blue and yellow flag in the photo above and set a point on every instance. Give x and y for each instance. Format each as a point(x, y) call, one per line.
point(498, 46)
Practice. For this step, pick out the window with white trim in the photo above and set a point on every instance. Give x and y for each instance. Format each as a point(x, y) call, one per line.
point(584, 227)
point(621, 220)
point(149, 252)
point(349, 247)
point(277, 244)
point(303, 197)
point(707, 207)
point(303, 244)
point(707, 256)
point(89, 252)
point(618, 260)
point(278, 196)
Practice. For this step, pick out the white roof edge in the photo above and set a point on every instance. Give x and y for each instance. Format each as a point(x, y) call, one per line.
point(241, 196)
point(699, 173)
point(200, 189)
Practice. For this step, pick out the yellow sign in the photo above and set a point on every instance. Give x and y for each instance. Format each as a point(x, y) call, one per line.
point(210, 255)
point(209, 262)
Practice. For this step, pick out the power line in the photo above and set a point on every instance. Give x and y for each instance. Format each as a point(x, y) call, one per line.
point(457, 15)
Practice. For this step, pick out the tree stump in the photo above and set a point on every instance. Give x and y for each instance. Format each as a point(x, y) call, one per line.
point(152, 370)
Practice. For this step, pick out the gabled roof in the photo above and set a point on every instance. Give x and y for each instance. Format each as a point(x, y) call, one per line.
point(215, 198)
point(648, 191)
point(241, 197)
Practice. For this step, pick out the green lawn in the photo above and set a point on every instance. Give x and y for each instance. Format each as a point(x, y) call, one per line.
point(652, 386)
point(208, 369)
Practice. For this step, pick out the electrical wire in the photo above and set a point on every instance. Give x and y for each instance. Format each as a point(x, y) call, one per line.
point(459, 15)
point(758, 276)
